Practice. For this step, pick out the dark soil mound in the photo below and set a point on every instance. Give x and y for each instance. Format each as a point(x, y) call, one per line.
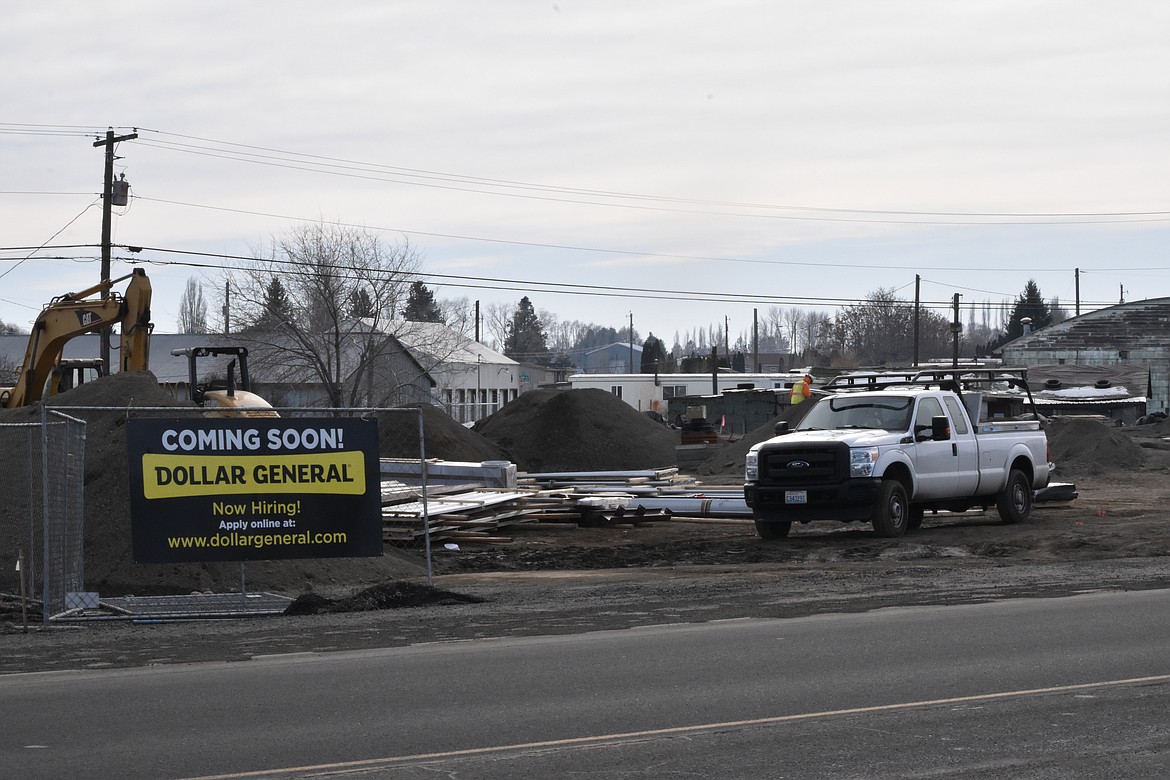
point(578, 430)
point(1082, 446)
point(388, 595)
point(729, 460)
point(444, 438)
point(109, 565)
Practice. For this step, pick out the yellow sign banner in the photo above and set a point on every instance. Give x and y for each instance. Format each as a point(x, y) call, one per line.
point(179, 476)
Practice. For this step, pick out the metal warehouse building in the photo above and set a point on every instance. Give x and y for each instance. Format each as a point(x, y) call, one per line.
point(1128, 335)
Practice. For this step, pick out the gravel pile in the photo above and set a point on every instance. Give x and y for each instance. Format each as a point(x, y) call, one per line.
point(578, 430)
point(1085, 446)
point(444, 438)
point(729, 460)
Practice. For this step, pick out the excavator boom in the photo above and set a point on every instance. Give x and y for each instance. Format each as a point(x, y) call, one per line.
point(74, 314)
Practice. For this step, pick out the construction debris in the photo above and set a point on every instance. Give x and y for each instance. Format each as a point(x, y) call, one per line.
point(466, 513)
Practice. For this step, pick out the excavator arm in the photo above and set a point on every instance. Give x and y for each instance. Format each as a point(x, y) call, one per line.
point(73, 314)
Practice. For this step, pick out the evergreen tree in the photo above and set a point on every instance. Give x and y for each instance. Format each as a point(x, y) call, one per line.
point(421, 306)
point(361, 305)
point(1031, 303)
point(276, 307)
point(653, 355)
point(525, 340)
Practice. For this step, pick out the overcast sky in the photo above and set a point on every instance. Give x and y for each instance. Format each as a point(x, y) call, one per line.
point(729, 155)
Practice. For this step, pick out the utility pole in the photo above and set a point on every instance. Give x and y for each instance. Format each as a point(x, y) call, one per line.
point(107, 205)
point(756, 340)
point(727, 338)
point(227, 308)
point(917, 308)
point(1077, 276)
point(956, 329)
point(631, 342)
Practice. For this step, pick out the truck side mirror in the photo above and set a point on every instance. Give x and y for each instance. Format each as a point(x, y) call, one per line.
point(781, 428)
point(940, 428)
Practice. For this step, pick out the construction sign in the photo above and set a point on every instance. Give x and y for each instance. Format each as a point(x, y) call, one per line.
point(239, 489)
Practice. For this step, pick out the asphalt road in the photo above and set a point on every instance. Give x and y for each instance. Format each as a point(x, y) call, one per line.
point(1042, 688)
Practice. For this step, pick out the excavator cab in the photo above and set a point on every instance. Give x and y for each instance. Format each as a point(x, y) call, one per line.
point(231, 396)
point(73, 372)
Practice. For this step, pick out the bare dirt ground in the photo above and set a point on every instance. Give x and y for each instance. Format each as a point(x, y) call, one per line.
point(1115, 536)
point(564, 579)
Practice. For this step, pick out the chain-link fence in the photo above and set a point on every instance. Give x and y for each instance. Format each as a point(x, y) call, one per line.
point(43, 512)
point(58, 492)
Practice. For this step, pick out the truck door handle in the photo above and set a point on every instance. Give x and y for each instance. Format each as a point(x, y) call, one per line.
point(955, 449)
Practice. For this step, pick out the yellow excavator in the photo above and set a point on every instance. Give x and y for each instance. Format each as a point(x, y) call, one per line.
point(74, 314)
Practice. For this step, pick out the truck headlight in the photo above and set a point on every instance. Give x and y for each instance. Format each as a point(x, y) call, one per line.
point(862, 460)
point(752, 470)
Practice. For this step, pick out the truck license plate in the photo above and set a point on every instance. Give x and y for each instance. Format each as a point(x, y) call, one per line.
point(795, 496)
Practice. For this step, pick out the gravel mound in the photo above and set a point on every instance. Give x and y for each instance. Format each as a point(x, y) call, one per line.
point(444, 438)
point(729, 460)
point(387, 595)
point(1084, 446)
point(578, 430)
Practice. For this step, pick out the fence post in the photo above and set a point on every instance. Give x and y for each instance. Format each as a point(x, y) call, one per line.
point(426, 518)
point(45, 608)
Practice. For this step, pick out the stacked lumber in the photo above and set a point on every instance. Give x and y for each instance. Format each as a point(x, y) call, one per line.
point(640, 479)
point(471, 512)
point(467, 514)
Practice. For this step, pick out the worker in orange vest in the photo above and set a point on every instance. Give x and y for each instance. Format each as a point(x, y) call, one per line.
point(801, 389)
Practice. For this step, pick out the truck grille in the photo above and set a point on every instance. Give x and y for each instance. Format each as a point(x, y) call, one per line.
point(804, 466)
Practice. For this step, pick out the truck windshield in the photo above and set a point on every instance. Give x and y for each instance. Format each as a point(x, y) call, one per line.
point(885, 413)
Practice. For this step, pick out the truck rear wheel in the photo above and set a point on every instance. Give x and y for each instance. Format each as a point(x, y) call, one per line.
point(1015, 502)
point(772, 529)
point(891, 516)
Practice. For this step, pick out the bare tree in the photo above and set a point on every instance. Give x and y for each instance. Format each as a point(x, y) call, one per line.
point(815, 329)
point(496, 319)
point(459, 315)
point(9, 371)
point(880, 330)
point(313, 336)
point(193, 308)
point(794, 319)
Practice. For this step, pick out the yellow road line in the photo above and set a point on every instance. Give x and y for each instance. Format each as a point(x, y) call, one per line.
point(390, 761)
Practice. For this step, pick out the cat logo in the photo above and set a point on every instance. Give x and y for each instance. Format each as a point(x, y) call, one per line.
point(87, 318)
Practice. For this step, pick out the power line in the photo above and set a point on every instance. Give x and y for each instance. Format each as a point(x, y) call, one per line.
point(50, 238)
point(500, 283)
point(263, 155)
point(304, 268)
point(564, 247)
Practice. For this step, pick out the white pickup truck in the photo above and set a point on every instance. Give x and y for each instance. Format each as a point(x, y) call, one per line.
point(887, 449)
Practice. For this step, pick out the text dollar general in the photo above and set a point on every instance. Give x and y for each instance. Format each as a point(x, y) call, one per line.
point(174, 476)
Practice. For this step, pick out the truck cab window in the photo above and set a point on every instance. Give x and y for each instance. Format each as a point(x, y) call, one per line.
point(928, 409)
point(958, 419)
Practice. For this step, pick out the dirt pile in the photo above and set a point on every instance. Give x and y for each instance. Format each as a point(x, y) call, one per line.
point(386, 595)
point(109, 565)
point(578, 430)
point(443, 437)
point(728, 461)
point(1084, 446)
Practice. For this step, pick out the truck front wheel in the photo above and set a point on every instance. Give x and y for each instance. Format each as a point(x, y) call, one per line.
point(1015, 502)
point(772, 529)
point(891, 516)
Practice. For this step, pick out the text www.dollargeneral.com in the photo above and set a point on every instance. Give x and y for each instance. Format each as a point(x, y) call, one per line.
point(258, 541)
